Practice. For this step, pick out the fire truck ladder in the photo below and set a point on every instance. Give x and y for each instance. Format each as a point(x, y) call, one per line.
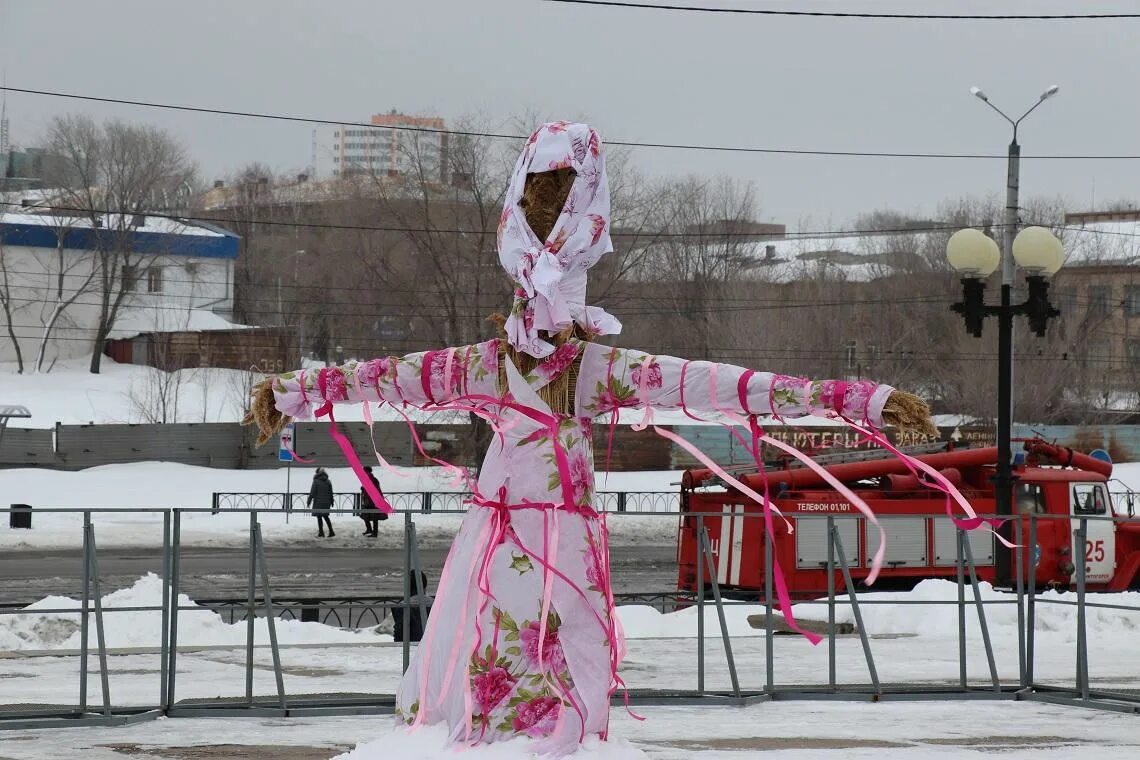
point(844, 457)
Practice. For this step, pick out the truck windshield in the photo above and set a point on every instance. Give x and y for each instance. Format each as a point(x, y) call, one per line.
point(1088, 499)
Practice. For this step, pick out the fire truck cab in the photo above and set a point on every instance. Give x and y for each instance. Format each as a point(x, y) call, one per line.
point(1055, 488)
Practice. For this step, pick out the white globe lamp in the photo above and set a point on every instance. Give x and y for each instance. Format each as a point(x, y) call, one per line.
point(972, 253)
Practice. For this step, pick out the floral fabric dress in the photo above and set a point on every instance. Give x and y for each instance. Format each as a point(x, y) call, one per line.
point(523, 639)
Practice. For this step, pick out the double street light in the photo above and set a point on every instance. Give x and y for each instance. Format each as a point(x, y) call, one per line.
point(1037, 251)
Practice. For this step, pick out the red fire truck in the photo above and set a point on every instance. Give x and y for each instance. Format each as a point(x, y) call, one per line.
point(1052, 482)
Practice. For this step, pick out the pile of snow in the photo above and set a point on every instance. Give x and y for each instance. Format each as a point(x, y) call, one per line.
point(643, 622)
point(895, 613)
point(431, 743)
point(50, 631)
point(922, 612)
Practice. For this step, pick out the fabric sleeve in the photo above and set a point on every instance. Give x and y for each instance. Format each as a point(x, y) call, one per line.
point(421, 380)
point(612, 378)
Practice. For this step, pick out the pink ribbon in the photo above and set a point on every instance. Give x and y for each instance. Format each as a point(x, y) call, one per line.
point(348, 451)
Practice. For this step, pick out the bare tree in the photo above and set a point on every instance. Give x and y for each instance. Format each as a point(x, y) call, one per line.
point(442, 268)
point(114, 172)
point(8, 302)
point(704, 243)
point(69, 279)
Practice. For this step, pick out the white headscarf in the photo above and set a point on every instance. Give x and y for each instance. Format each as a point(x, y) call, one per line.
point(551, 274)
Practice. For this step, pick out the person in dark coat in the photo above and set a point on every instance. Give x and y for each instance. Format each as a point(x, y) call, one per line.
point(416, 621)
point(321, 501)
point(369, 512)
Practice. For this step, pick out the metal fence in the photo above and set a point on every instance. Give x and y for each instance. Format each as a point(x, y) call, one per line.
point(439, 501)
point(260, 603)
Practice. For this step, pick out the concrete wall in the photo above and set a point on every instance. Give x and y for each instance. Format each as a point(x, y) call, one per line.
point(230, 446)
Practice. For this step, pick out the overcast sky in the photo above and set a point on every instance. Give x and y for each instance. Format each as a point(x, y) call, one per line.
point(635, 74)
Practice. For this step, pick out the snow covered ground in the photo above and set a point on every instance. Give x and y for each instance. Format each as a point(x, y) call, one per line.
point(159, 485)
point(775, 731)
point(911, 644)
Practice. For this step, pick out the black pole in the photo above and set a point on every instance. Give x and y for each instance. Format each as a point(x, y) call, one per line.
point(1003, 478)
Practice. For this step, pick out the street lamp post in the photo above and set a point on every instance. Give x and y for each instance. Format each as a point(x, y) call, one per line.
point(1003, 479)
point(976, 256)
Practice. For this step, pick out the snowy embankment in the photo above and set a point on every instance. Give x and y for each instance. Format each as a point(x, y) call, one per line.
point(922, 613)
point(159, 485)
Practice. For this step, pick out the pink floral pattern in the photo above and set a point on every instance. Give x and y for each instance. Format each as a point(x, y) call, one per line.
point(492, 688)
point(595, 564)
point(555, 364)
point(537, 717)
point(552, 657)
point(438, 369)
point(581, 478)
point(334, 387)
point(371, 372)
point(597, 227)
point(653, 377)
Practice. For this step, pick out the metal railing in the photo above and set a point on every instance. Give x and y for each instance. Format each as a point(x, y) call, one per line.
point(842, 593)
point(437, 501)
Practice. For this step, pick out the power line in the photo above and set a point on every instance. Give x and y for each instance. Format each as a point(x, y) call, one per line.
point(787, 355)
point(425, 312)
point(858, 15)
point(725, 235)
point(502, 136)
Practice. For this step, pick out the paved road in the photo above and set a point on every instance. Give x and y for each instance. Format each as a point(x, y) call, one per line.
point(27, 576)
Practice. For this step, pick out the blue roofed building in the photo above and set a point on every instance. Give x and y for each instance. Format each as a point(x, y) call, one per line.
point(174, 275)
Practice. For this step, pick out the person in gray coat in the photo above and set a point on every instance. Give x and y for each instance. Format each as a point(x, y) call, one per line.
point(320, 501)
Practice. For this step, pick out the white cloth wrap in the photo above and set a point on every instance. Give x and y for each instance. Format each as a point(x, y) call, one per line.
point(551, 274)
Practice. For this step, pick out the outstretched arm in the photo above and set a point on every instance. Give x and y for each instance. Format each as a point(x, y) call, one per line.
point(612, 378)
point(420, 380)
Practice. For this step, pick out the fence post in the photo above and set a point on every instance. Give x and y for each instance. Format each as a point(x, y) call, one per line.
point(981, 613)
point(769, 621)
point(259, 545)
point(855, 609)
point(104, 676)
point(831, 677)
point(84, 624)
point(960, 563)
point(1031, 604)
point(700, 610)
point(214, 507)
point(426, 502)
point(250, 608)
point(1082, 633)
point(706, 556)
point(407, 604)
point(621, 501)
point(175, 570)
point(1021, 564)
point(164, 643)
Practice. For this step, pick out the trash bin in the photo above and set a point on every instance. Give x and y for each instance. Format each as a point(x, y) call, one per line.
point(20, 516)
point(311, 611)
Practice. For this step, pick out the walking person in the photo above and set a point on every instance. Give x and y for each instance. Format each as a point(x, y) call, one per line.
point(320, 501)
point(369, 512)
